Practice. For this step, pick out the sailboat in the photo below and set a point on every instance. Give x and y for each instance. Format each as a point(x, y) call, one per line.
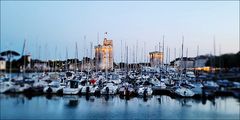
point(179, 90)
point(73, 87)
point(54, 87)
point(145, 91)
point(89, 89)
point(109, 89)
point(184, 92)
point(22, 83)
point(126, 90)
point(6, 86)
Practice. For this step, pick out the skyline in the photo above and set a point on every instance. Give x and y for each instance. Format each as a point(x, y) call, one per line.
point(65, 23)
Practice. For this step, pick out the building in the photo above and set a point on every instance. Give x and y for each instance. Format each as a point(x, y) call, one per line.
point(24, 62)
point(184, 63)
point(201, 61)
point(2, 64)
point(156, 58)
point(104, 55)
point(39, 65)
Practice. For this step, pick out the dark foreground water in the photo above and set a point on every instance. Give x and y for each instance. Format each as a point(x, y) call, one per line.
point(156, 107)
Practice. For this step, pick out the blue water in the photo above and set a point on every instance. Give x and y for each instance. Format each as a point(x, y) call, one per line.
point(113, 107)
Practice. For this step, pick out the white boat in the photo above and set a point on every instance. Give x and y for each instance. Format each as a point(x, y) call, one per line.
point(20, 88)
point(70, 75)
point(53, 87)
point(110, 89)
point(6, 87)
point(190, 75)
point(89, 89)
point(145, 91)
point(184, 92)
point(40, 84)
point(236, 84)
point(23, 79)
point(210, 85)
point(3, 77)
point(94, 89)
point(197, 88)
point(145, 76)
point(72, 87)
point(126, 89)
point(115, 79)
point(159, 84)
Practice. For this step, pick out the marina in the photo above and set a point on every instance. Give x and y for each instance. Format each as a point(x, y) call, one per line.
point(99, 76)
point(139, 83)
point(73, 85)
point(70, 83)
point(119, 60)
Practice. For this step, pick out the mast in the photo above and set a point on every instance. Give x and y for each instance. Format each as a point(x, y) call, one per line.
point(220, 64)
point(130, 59)
point(196, 59)
point(127, 57)
point(195, 71)
point(76, 57)
point(23, 56)
point(133, 66)
point(169, 56)
point(136, 55)
point(91, 59)
point(121, 52)
point(24, 44)
point(84, 54)
point(159, 46)
point(55, 59)
point(106, 59)
point(97, 38)
point(144, 47)
point(166, 55)
point(214, 53)
point(97, 53)
point(46, 51)
point(186, 60)
point(181, 57)
point(0, 46)
point(142, 55)
point(66, 64)
point(39, 53)
point(163, 53)
point(159, 49)
point(197, 50)
point(166, 58)
point(182, 46)
point(121, 58)
point(174, 53)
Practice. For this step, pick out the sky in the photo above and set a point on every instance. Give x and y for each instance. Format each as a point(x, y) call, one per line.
point(53, 28)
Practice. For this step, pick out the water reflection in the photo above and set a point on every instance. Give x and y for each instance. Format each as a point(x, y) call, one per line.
point(92, 98)
point(106, 97)
point(145, 99)
point(49, 96)
point(87, 97)
point(126, 97)
point(20, 99)
point(119, 107)
point(71, 101)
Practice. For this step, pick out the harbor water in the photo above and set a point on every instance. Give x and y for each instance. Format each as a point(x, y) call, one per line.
point(19, 106)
